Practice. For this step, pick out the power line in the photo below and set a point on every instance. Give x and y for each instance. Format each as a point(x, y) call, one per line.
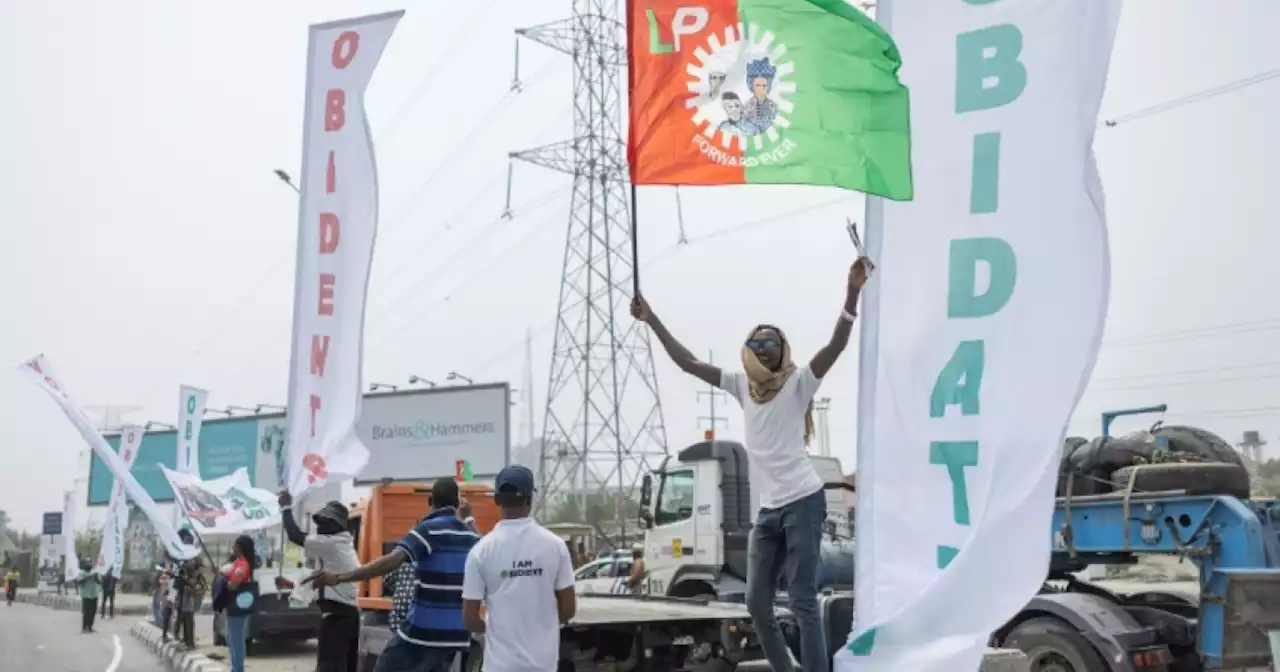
point(1227, 329)
point(1192, 98)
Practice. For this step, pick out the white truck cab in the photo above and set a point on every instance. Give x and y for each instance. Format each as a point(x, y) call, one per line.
point(697, 510)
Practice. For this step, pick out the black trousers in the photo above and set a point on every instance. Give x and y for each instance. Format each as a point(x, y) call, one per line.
point(109, 596)
point(88, 610)
point(184, 625)
point(339, 649)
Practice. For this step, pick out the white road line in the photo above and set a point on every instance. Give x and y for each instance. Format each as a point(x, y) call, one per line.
point(115, 657)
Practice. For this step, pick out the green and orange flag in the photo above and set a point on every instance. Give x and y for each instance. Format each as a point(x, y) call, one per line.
point(766, 92)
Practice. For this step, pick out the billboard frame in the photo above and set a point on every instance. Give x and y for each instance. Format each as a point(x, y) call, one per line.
point(506, 421)
point(506, 439)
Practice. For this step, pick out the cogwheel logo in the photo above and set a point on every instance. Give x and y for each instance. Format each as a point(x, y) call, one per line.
point(740, 88)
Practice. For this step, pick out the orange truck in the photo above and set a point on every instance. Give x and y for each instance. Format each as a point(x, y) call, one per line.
point(623, 632)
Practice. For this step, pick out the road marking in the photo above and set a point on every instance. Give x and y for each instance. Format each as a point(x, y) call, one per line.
point(115, 657)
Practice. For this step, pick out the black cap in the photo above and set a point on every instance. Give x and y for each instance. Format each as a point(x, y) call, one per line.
point(515, 479)
point(334, 511)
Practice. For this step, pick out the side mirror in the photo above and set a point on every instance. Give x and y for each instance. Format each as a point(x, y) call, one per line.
point(646, 491)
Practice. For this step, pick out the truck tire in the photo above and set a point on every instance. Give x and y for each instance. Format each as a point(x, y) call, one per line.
point(1054, 646)
point(1198, 442)
point(1196, 478)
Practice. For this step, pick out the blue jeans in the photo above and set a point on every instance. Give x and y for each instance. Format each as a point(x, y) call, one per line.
point(236, 626)
point(786, 543)
point(157, 613)
point(403, 656)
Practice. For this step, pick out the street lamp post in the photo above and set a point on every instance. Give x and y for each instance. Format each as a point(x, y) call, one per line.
point(258, 409)
point(151, 424)
point(242, 409)
point(225, 411)
point(374, 387)
point(284, 177)
point(454, 375)
point(414, 380)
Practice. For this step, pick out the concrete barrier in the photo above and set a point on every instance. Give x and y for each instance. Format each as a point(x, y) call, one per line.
point(175, 656)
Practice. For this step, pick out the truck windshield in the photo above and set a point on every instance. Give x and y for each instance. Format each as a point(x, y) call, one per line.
point(675, 499)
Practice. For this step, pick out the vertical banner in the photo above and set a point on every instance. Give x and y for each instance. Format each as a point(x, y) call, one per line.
point(39, 371)
point(191, 405)
point(111, 554)
point(983, 326)
point(337, 225)
point(71, 565)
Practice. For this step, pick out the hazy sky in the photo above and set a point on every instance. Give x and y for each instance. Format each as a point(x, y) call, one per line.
point(146, 242)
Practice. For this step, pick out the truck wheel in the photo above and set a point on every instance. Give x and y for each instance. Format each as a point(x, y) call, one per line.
point(1053, 646)
point(1197, 478)
point(1200, 442)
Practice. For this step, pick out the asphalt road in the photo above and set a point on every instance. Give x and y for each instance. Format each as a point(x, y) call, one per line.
point(38, 638)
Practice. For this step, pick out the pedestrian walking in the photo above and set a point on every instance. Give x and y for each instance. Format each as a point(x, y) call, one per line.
point(11, 578)
point(109, 593)
point(90, 586)
point(523, 574)
point(432, 631)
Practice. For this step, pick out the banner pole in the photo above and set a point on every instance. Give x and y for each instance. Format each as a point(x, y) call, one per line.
point(635, 245)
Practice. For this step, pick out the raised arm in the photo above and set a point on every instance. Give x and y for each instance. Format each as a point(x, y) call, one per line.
point(707, 373)
point(827, 355)
point(291, 529)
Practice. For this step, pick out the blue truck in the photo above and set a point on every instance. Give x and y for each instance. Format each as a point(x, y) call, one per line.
point(1222, 623)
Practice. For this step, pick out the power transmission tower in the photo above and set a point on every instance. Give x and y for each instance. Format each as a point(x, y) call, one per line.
point(713, 394)
point(603, 426)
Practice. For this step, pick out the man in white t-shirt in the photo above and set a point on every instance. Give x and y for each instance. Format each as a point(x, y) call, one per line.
point(777, 405)
point(524, 576)
point(334, 546)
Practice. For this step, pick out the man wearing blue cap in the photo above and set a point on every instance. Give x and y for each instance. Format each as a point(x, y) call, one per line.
point(523, 574)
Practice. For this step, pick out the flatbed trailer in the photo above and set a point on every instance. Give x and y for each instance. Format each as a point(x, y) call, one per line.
point(622, 632)
point(1234, 543)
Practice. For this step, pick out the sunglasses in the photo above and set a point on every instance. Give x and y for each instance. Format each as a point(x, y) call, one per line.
point(762, 344)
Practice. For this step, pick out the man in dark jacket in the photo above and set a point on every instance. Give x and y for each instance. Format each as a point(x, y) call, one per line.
point(109, 593)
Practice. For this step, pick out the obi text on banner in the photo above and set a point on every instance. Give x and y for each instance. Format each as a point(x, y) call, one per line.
point(337, 225)
point(983, 328)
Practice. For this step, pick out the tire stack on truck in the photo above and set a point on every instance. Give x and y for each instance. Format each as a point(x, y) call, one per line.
point(1166, 458)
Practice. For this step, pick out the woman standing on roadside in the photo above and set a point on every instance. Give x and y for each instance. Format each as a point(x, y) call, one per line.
point(242, 592)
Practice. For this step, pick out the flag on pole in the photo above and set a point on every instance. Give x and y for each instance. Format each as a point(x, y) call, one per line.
point(337, 225)
point(39, 371)
point(191, 405)
point(111, 554)
point(71, 560)
point(225, 505)
point(766, 92)
point(463, 469)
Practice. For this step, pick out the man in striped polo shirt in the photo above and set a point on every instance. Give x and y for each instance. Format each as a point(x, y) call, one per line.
point(432, 633)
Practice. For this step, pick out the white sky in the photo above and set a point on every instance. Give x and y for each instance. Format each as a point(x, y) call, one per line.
point(146, 243)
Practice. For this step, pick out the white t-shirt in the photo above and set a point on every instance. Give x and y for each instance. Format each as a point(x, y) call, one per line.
point(336, 553)
point(516, 570)
point(780, 469)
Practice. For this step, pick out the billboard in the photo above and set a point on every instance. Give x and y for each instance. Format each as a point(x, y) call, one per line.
point(420, 435)
point(412, 435)
point(51, 523)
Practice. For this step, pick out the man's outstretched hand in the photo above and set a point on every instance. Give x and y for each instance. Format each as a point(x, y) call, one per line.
point(640, 309)
point(859, 274)
point(321, 577)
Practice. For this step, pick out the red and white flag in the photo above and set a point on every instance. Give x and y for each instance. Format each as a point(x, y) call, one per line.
point(337, 226)
point(111, 554)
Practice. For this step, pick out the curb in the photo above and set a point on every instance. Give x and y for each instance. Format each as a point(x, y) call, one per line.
point(174, 656)
point(72, 603)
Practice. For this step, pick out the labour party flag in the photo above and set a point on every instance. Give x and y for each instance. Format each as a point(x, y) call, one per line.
point(766, 92)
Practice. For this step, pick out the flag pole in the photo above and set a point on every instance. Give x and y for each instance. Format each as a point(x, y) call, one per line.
point(635, 245)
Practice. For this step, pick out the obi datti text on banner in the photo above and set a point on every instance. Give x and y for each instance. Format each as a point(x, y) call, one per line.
point(983, 325)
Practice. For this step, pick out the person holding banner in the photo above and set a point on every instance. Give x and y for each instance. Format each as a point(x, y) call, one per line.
point(334, 547)
point(777, 402)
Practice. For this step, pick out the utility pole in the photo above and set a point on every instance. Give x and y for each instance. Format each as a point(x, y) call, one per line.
point(603, 426)
point(822, 425)
point(712, 394)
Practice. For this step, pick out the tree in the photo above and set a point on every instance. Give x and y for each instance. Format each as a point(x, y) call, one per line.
point(88, 543)
point(598, 510)
point(4, 520)
point(1266, 483)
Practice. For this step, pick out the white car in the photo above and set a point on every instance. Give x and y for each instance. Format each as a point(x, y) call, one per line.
point(606, 575)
